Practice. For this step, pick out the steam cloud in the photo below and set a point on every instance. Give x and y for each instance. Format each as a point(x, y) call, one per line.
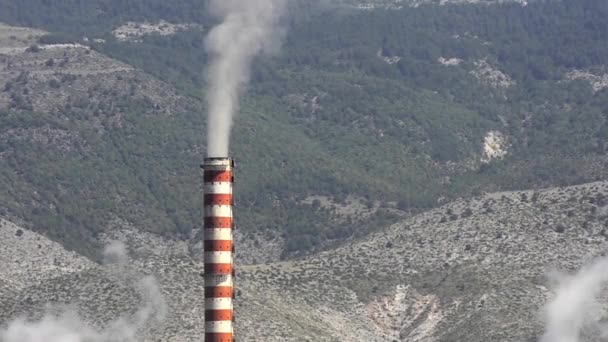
point(68, 327)
point(575, 306)
point(248, 28)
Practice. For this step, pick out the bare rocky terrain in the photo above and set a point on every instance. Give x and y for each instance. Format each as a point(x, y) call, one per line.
point(471, 270)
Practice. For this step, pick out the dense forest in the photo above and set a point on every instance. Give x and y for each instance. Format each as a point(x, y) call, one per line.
point(356, 104)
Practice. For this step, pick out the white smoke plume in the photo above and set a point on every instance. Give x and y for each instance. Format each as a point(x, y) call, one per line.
point(575, 306)
point(67, 326)
point(248, 28)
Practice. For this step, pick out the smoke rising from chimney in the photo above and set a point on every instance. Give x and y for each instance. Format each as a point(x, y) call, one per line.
point(248, 28)
point(575, 306)
point(67, 326)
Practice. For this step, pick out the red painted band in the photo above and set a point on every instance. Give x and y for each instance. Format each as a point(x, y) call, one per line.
point(225, 269)
point(218, 222)
point(218, 199)
point(218, 176)
point(218, 315)
point(218, 292)
point(217, 246)
point(218, 337)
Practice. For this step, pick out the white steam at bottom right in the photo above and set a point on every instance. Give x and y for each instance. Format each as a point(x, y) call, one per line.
point(575, 309)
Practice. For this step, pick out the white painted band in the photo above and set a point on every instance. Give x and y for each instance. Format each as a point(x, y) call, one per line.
point(218, 211)
point(221, 234)
point(218, 327)
point(217, 168)
point(225, 163)
point(218, 257)
point(218, 303)
point(220, 164)
point(218, 280)
point(218, 188)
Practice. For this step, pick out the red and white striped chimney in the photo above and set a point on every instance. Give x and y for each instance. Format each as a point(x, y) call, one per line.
point(219, 249)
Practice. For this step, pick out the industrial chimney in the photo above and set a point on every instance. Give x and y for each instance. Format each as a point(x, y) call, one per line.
point(219, 249)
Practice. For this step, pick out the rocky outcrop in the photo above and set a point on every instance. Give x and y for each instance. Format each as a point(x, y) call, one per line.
point(598, 82)
point(134, 31)
point(490, 75)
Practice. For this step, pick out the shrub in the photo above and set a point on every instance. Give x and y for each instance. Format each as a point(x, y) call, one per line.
point(54, 84)
point(57, 38)
point(33, 49)
point(466, 213)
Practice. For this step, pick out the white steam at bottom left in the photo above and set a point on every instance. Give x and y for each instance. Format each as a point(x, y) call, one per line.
point(67, 326)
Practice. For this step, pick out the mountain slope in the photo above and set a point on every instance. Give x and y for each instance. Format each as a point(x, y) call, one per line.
point(394, 114)
point(87, 140)
point(471, 270)
point(474, 269)
point(70, 143)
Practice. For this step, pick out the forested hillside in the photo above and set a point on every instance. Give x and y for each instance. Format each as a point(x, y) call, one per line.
point(393, 109)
